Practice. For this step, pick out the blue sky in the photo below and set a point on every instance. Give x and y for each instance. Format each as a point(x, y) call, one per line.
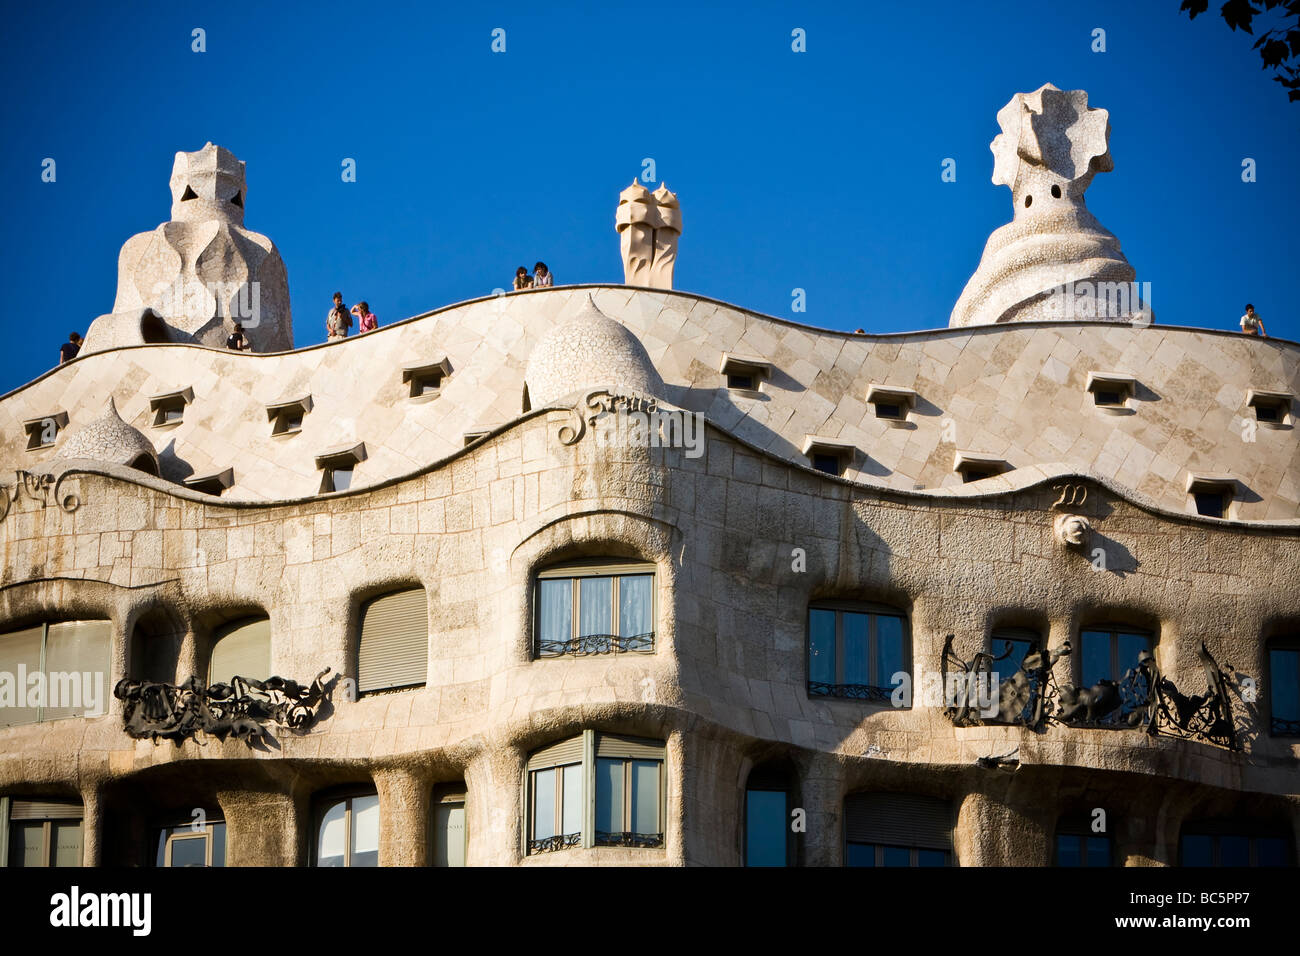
point(816, 170)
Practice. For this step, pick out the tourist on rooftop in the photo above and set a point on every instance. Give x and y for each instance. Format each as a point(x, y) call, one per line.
point(237, 340)
point(522, 279)
point(69, 349)
point(367, 321)
point(1252, 322)
point(541, 275)
point(338, 321)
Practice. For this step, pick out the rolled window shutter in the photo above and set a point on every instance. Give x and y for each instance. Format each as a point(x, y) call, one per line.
point(20, 648)
point(72, 650)
point(394, 647)
point(635, 747)
point(557, 755)
point(899, 819)
point(243, 650)
point(53, 809)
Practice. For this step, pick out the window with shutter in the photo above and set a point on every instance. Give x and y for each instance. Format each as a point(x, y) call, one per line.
point(897, 829)
point(242, 649)
point(393, 650)
point(41, 831)
point(74, 656)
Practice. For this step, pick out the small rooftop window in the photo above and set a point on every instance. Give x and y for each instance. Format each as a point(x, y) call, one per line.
point(976, 466)
point(1111, 390)
point(744, 373)
point(830, 455)
point(286, 417)
point(1271, 408)
point(891, 402)
point(425, 380)
point(42, 432)
point(338, 465)
point(472, 437)
point(213, 484)
point(1211, 495)
point(169, 409)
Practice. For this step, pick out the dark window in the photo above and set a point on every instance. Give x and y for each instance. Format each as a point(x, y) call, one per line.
point(854, 651)
point(1233, 843)
point(889, 410)
point(1107, 654)
point(831, 464)
point(1079, 844)
point(895, 829)
point(42, 832)
point(741, 381)
point(1010, 647)
point(769, 840)
point(192, 844)
point(1268, 412)
point(1209, 503)
point(1284, 688)
point(976, 474)
point(1108, 396)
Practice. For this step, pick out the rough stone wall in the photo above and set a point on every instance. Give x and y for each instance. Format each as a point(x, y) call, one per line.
point(725, 687)
point(1016, 392)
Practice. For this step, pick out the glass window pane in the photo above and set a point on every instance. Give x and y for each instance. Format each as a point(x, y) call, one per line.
point(1098, 851)
point(1095, 657)
point(635, 599)
point(595, 606)
point(218, 844)
point(897, 856)
point(1270, 851)
point(190, 851)
point(449, 835)
point(609, 795)
point(857, 655)
point(67, 842)
point(1234, 851)
point(20, 651)
point(26, 844)
point(765, 839)
point(543, 804)
point(342, 482)
point(1130, 645)
point(860, 854)
point(365, 831)
point(76, 665)
point(821, 646)
point(1284, 683)
point(1198, 850)
point(555, 610)
point(931, 858)
point(1009, 665)
point(572, 810)
point(1069, 850)
point(645, 796)
point(330, 848)
point(889, 649)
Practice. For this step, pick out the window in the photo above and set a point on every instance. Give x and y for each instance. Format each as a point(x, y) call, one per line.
point(895, 829)
point(596, 790)
point(1110, 651)
point(426, 380)
point(1233, 843)
point(450, 834)
point(192, 844)
point(891, 403)
point(348, 831)
point(393, 649)
point(854, 650)
point(1211, 494)
point(1009, 647)
point(337, 467)
point(744, 373)
point(211, 484)
point(286, 417)
point(828, 454)
point(1077, 845)
point(74, 656)
point(597, 607)
point(976, 466)
point(1272, 409)
point(472, 437)
point(169, 409)
point(769, 840)
point(41, 832)
point(241, 649)
point(1111, 390)
point(1284, 687)
point(42, 432)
